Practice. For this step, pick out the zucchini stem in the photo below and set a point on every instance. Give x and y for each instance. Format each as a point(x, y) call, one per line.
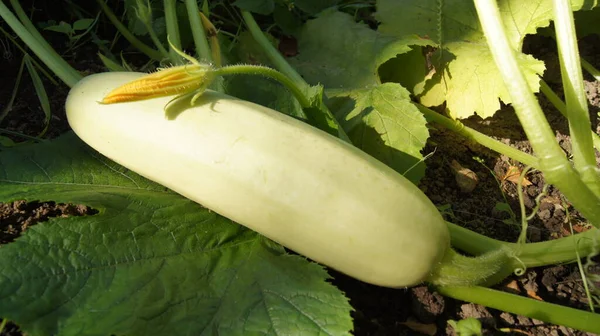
point(267, 72)
point(486, 269)
point(549, 252)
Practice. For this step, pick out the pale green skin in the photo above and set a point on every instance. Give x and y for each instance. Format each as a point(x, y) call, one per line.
point(289, 181)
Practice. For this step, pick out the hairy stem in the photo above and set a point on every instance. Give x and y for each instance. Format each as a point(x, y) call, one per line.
point(267, 72)
point(486, 269)
point(545, 253)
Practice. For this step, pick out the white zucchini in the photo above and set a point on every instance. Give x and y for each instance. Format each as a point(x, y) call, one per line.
point(289, 181)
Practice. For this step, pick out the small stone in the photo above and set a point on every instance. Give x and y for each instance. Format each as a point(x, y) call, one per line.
point(507, 318)
point(564, 330)
point(544, 214)
point(547, 206)
point(522, 320)
point(426, 305)
point(478, 312)
point(532, 191)
point(537, 322)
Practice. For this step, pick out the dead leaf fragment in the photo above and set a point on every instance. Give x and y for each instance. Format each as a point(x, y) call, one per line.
point(427, 329)
point(514, 286)
point(513, 174)
point(534, 295)
point(512, 330)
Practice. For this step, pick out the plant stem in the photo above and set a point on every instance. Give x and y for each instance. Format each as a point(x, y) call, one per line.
point(560, 106)
point(37, 64)
point(590, 68)
point(274, 56)
point(147, 21)
point(484, 140)
point(532, 254)
point(282, 65)
point(59, 66)
point(25, 136)
point(17, 82)
point(110, 64)
point(553, 163)
point(141, 46)
point(173, 30)
point(197, 28)
point(267, 72)
point(215, 47)
point(584, 157)
point(543, 311)
point(36, 34)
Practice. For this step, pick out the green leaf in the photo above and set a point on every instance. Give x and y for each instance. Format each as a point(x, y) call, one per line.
point(62, 27)
point(82, 24)
point(587, 22)
point(383, 122)
point(466, 76)
point(264, 7)
point(247, 50)
point(396, 69)
point(344, 56)
point(286, 20)
point(314, 6)
point(6, 141)
point(150, 262)
point(467, 327)
point(339, 53)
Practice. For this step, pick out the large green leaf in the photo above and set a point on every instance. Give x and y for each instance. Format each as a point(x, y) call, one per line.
point(150, 262)
point(267, 6)
point(264, 7)
point(344, 56)
point(466, 76)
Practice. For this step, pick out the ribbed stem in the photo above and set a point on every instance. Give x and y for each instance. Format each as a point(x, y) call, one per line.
point(584, 157)
point(173, 29)
point(197, 28)
point(590, 69)
point(555, 100)
point(553, 163)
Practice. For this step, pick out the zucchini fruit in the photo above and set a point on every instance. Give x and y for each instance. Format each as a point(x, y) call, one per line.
point(297, 185)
